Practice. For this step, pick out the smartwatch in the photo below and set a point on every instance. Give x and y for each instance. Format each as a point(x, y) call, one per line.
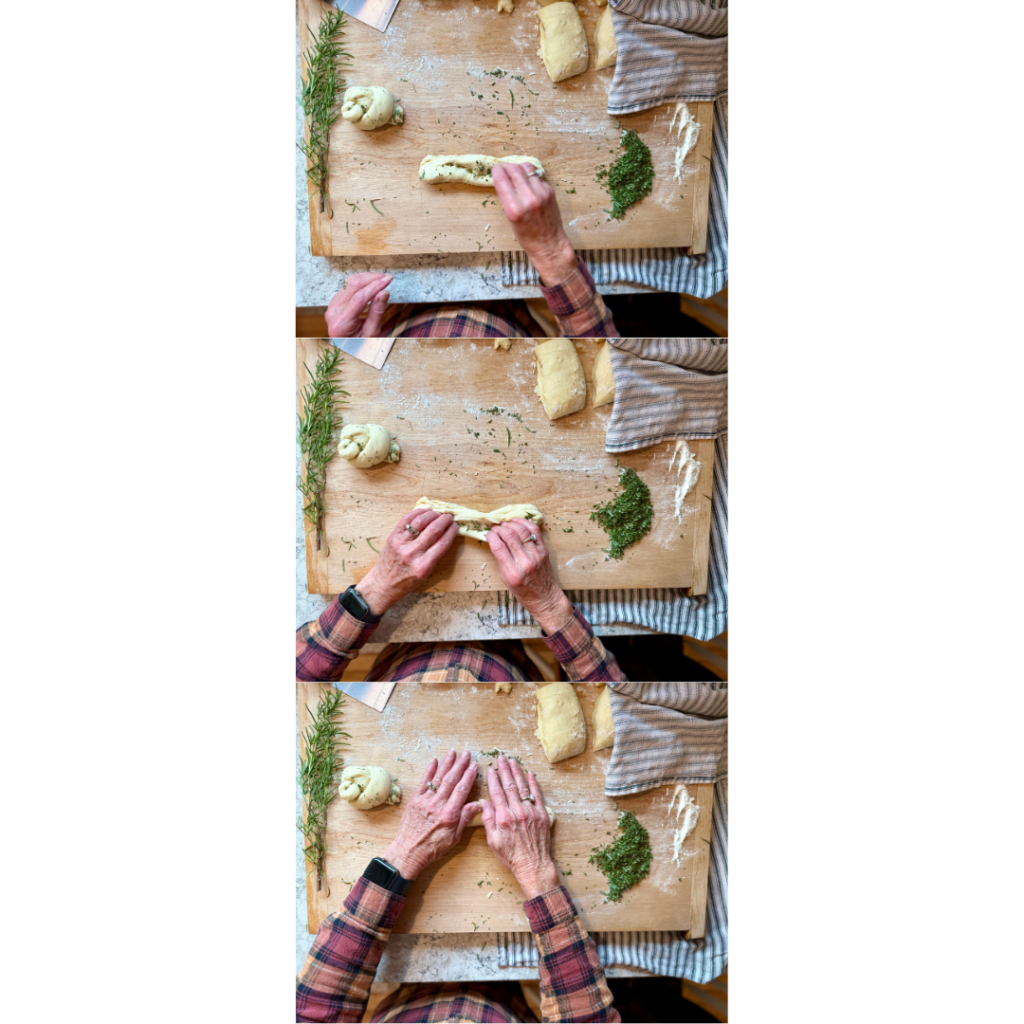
point(387, 876)
point(352, 601)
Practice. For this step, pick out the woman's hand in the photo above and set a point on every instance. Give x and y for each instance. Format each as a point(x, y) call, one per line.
point(525, 568)
point(518, 829)
point(529, 204)
point(436, 816)
point(344, 314)
point(407, 559)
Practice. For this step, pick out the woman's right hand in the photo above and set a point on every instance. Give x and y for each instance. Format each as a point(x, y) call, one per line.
point(344, 315)
point(518, 829)
point(525, 568)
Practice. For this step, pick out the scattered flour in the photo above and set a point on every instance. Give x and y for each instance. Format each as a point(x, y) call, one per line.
point(690, 812)
point(692, 129)
point(689, 463)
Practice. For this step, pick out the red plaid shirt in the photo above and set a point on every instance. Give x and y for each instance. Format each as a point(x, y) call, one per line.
point(579, 310)
point(325, 646)
point(334, 984)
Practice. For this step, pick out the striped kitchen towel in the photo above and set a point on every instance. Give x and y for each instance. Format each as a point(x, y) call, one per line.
point(665, 953)
point(669, 51)
point(667, 733)
point(667, 388)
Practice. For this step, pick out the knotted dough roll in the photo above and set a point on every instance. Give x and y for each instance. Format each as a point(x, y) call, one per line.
point(366, 444)
point(370, 106)
point(367, 786)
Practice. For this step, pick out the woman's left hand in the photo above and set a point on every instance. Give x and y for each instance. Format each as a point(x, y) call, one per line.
point(360, 292)
point(435, 817)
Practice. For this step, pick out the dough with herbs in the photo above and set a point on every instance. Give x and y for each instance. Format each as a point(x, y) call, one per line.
point(604, 41)
point(478, 818)
point(602, 377)
point(366, 444)
point(469, 169)
point(602, 722)
point(563, 43)
point(370, 106)
point(473, 523)
point(561, 383)
point(561, 727)
point(368, 786)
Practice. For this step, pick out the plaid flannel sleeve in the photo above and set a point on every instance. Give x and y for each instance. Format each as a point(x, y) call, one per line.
point(581, 653)
point(572, 981)
point(334, 984)
point(325, 646)
point(578, 308)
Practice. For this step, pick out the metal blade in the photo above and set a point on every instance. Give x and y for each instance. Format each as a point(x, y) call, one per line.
point(373, 351)
point(375, 13)
point(373, 695)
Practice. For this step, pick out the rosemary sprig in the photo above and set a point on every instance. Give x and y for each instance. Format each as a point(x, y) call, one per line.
point(318, 778)
point(320, 91)
point(316, 436)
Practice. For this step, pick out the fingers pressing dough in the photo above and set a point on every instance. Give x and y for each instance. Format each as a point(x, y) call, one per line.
point(366, 444)
point(602, 722)
point(368, 786)
point(563, 43)
point(370, 106)
point(469, 168)
point(561, 384)
point(561, 727)
point(473, 523)
point(604, 41)
point(602, 377)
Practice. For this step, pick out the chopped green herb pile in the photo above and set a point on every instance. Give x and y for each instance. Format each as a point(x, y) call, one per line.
point(630, 178)
point(627, 861)
point(628, 517)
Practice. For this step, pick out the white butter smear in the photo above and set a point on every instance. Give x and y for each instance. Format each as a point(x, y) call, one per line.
point(689, 464)
point(688, 123)
point(690, 813)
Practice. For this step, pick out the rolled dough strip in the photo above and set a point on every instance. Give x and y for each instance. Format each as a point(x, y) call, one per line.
point(473, 523)
point(478, 818)
point(469, 169)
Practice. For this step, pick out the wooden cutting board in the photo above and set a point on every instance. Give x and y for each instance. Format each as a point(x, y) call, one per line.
point(424, 720)
point(434, 56)
point(432, 394)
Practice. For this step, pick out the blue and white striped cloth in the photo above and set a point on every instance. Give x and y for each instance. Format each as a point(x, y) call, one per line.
point(679, 755)
point(665, 388)
point(686, 39)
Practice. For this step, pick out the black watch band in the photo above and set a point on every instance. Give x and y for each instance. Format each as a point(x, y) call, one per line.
point(352, 601)
point(387, 876)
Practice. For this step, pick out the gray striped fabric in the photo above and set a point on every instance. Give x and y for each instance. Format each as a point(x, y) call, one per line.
point(667, 388)
point(669, 50)
point(667, 733)
point(665, 953)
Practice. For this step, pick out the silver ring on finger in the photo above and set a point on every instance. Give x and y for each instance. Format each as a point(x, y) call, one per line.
point(431, 787)
point(528, 796)
point(531, 539)
point(409, 528)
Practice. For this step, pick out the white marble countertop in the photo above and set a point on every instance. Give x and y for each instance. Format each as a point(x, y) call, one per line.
point(461, 956)
point(429, 277)
point(420, 618)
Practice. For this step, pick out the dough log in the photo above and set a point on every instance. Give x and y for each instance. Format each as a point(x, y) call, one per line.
point(561, 383)
point(561, 728)
point(366, 444)
point(469, 169)
point(368, 786)
point(607, 53)
point(473, 523)
point(563, 43)
point(478, 818)
point(602, 722)
point(370, 106)
point(602, 378)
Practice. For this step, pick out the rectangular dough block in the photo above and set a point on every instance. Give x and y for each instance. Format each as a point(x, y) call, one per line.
point(563, 43)
point(561, 727)
point(561, 383)
point(602, 723)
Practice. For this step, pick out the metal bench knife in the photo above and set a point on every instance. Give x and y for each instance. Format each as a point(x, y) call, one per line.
point(374, 351)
